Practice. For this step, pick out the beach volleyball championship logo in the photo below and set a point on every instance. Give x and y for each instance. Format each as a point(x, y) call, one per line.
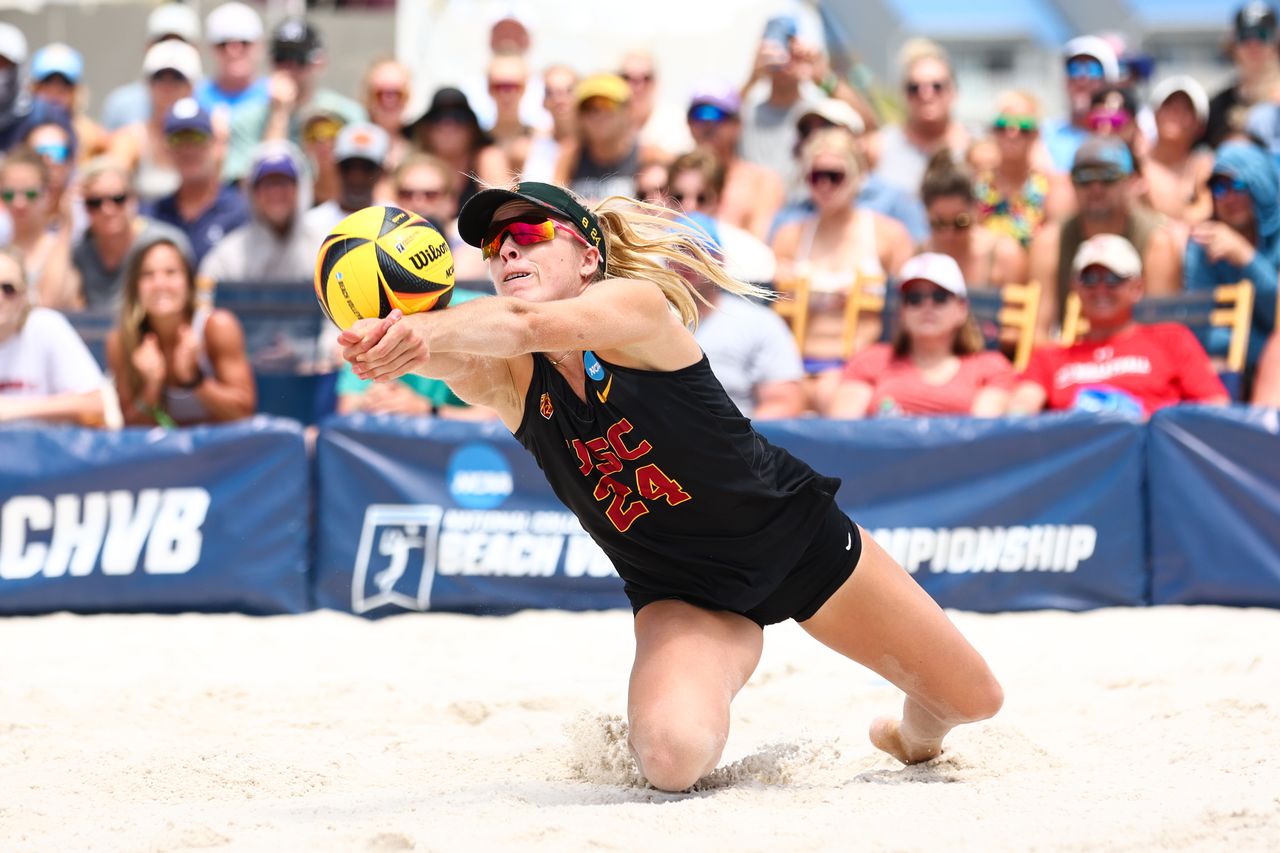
point(398, 555)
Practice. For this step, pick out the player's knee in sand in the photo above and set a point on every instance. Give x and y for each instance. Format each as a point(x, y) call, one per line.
point(673, 755)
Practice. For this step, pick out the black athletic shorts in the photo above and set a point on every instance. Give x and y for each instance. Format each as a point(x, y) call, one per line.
point(821, 570)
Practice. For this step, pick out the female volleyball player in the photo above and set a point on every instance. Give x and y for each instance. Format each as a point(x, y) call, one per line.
point(587, 356)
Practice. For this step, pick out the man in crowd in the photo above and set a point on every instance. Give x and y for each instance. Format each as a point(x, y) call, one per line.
point(131, 103)
point(297, 59)
point(752, 352)
point(15, 104)
point(608, 154)
point(1091, 66)
point(900, 154)
point(1102, 174)
point(1255, 50)
point(234, 32)
point(360, 153)
point(780, 89)
point(203, 208)
point(1118, 365)
point(752, 193)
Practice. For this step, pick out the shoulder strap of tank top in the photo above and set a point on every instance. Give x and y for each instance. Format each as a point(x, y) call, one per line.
point(867, 255)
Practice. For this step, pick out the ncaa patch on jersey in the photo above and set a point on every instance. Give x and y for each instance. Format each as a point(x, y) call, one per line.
point(594, 369)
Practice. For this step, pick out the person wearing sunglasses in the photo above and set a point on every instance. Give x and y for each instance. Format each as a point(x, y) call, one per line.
point(1241, 240)
point(234, 33)
point(1090, 64)
point(46, 371)
point(507, 78)
point(1114, 112)
point(202, 207)
point(607, 153)
point(425, 185)
point(99, 257)
point(662, 127)
point(50, 134)
point(387, 88)
point(987, 260)
point(830, 252)
point(1175, 169)
point(587, 356)
point(901, 152)
point(176, 364)
point(752, 193)
point(1118, 364)
point(938, 362)
point(1016, 197)
point(1255, 52)
point(57, 72)
point(1102, 175)
point(42, 234)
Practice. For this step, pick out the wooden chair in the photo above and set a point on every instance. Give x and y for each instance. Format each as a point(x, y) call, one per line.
point(1226, 306)
point(792, 305)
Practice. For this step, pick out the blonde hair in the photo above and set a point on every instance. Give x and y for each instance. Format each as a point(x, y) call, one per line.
point(642, 242)
point(1023, 98)
point(916, 49)
point(133, 317)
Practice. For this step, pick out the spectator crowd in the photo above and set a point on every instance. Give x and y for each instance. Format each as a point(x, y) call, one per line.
point(887, 241)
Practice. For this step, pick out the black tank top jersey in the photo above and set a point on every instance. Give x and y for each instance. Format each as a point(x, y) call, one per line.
point(672, 482)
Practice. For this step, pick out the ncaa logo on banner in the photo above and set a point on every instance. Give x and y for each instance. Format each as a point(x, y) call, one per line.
point(396, 557)
point(479, 477)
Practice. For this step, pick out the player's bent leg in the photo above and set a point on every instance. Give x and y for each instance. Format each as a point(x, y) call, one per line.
point(689, 665)
point(882, 619)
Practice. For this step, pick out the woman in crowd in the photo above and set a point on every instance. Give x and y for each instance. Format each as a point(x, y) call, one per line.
point(41, 232)
point(938, 363)
point(695, 185)
point(987, 259)
point(54, 141)
point(1241, 240)
point(46, 371)
point(831, 252)
point(425, 185)
point(174, 365)
point(1015, 197)
point(450, 130)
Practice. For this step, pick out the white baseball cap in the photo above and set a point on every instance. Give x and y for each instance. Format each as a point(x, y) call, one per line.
point(176, 55)
point(1100, 50)
point(173, 19)
point(838, 113)
point(935, 268)
point(13, 44)
point(1108, 250)
point(1186, 84)
point(233, 22)
point(362, 141)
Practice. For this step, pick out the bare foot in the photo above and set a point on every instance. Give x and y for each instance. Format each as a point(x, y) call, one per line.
point(887, 736)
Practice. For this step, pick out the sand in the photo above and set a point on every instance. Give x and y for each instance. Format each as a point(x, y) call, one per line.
point(1122, 730)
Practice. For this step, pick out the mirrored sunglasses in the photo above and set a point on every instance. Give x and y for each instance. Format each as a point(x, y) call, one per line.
point(1026, 125)
point(1220, 185)
point(525, 233)
point(1087, 69)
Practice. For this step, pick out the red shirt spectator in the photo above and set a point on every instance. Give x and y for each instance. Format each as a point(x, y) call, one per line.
point(1149, 366)
point(1158, 365)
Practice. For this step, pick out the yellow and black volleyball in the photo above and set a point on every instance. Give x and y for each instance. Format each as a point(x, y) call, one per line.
point(382, 258)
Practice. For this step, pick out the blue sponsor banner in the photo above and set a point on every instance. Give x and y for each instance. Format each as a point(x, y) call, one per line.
point(207, 518)
point(1215, 506)
point(418, 514)
point(990, 515)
